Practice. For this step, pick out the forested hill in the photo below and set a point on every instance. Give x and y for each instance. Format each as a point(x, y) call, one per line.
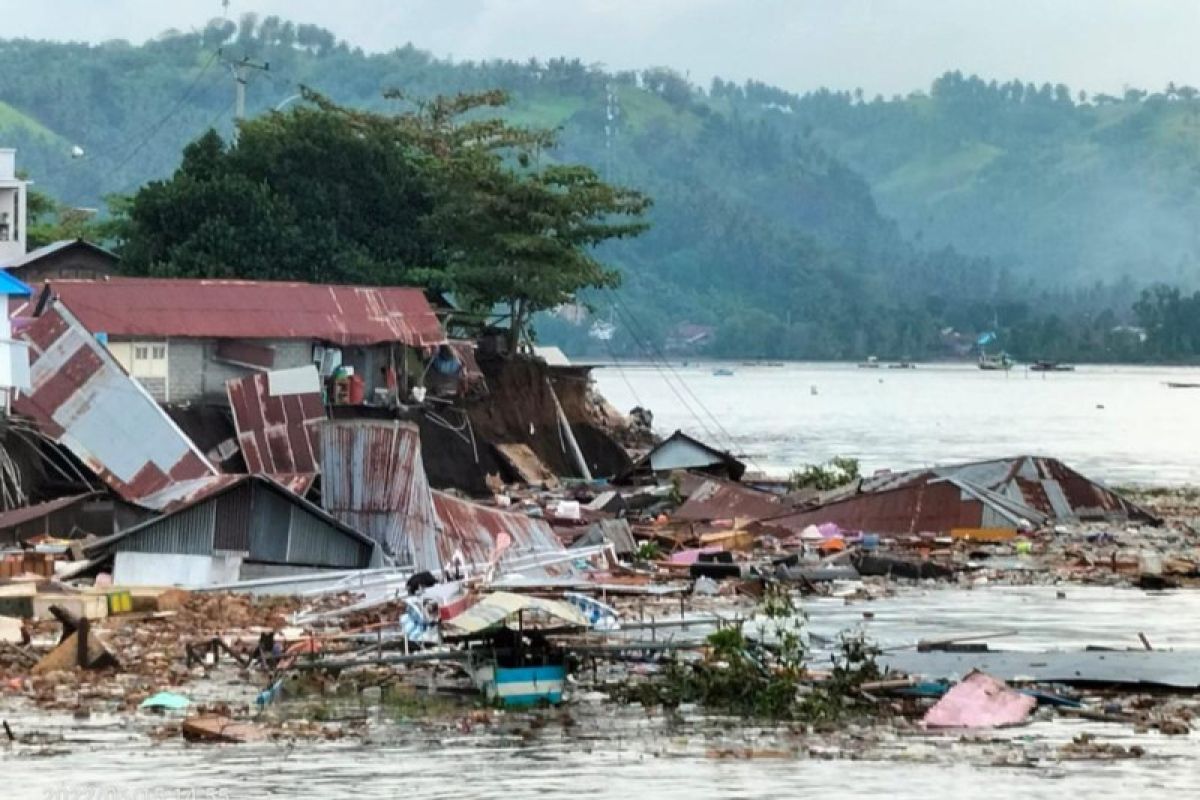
point(1055, 182)
point(766, 225)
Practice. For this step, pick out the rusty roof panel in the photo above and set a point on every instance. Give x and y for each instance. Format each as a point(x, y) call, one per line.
point(82, 399)
point(277, 433)
point(474, 531)
point(373, 479)
point(233, 309)
point(927, 507)
point(717, 499)
point(1026, 488)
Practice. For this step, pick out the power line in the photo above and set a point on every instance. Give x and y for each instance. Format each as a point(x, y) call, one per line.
point(635, 333)
point(183, 98)
point(730, 442)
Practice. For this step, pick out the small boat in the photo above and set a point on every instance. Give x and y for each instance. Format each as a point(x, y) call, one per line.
point(1051, 366)
point(722, 372)
point(999, 362)
point(1176, 385)
point(519, 669)
point(902, 365)
point(871, 363)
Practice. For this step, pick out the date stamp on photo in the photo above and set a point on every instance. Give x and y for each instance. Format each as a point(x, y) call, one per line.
point(116, 791)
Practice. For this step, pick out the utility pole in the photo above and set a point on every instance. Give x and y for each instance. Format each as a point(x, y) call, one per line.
point(240, 72)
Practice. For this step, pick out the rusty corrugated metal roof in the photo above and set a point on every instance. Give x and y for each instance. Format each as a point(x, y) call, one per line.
point(995, 493)
point(717, 499)
point(233, 309)
point(277, 433)
point(373, 479)
point(474, 530)
point(182, 494)
point(82, 399)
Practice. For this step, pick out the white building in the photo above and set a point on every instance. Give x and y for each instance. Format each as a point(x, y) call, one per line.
point(13, 220)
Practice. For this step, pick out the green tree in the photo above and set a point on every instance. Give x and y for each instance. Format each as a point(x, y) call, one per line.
point(439, 195)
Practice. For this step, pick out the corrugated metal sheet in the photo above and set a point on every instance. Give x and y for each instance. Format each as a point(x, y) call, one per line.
point(373, 479)
point(268, 525)
point(716, 499)
point(474, 530)
point(282, 528)
point(997, 493)
point(312, 540)
point(82, 399)
point(682, 454)
point(232, 309)
point(908, 509)
point(190, 532)
point(277, 433)
point(231, 529)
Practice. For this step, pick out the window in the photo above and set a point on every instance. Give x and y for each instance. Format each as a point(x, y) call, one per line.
point(141, 359)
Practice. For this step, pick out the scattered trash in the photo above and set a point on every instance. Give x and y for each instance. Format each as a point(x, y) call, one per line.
point(166, 700)
point(980, 701)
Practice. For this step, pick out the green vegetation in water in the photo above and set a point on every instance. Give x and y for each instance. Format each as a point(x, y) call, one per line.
point(823, 477)
point(747, 679)
point(649, 551)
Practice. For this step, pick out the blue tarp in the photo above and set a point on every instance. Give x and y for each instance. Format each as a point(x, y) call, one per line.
point(11, 286)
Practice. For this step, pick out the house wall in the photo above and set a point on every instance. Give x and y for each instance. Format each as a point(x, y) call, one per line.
point(70, 262)
point(194, 374)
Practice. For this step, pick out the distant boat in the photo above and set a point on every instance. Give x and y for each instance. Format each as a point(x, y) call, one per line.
point(999, 362)
point(871, 363)
point(1175, 385)
point(722, 372)
point(1051, 366)
point(902, 365)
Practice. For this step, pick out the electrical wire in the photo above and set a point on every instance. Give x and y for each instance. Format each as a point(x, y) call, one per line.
point(621, 371)
point(156, 127)
point(635, 334)
point(631, 319)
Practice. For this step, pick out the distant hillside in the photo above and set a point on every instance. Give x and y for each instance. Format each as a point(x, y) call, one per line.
point(767, 224)
point(1056, 184)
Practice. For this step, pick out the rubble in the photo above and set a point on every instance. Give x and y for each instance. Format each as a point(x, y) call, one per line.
point(367, 589)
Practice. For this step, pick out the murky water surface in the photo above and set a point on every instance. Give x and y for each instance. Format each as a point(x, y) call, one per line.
point(596, 750)
point(1120, 424)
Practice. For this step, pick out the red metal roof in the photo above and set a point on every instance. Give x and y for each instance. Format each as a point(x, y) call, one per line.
point(82, 399)
point(233, 309)
point(474, 530)
point(717, 499)
point(277, 433)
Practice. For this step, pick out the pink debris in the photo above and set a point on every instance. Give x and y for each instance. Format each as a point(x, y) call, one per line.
point(980, 701)
point(692, 556)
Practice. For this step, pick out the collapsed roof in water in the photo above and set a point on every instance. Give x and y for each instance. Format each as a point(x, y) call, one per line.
point(1020, 492)
point(682, 452)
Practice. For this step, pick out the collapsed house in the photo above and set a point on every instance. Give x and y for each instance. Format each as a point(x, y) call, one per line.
point(1018, 493)
point(231, 528)
point(373, 479)
point(681, 452)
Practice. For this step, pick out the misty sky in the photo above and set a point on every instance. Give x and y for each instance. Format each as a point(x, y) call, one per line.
point(885, 46)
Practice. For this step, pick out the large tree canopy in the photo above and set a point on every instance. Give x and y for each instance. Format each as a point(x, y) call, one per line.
point(442, 195)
